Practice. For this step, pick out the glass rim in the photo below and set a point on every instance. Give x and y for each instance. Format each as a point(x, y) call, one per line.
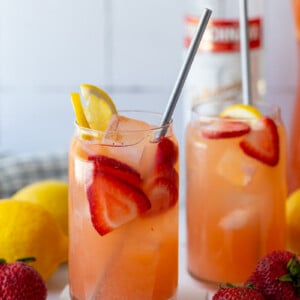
point(266, 108)
point(124, 112)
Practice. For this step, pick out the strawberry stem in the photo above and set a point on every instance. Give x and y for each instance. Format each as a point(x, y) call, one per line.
point(2, 261)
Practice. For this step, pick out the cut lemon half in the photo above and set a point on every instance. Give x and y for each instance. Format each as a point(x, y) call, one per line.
point(241, 111)
point(99, 107)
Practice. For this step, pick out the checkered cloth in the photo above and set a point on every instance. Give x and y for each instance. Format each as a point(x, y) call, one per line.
point(17, 171)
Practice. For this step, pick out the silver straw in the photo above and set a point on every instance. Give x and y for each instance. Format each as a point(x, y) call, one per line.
point(245, 56)
point(184, 71)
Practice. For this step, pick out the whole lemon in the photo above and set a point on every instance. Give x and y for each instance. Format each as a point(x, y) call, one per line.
point(293, 221)
point(27, 229)
point(52, 195)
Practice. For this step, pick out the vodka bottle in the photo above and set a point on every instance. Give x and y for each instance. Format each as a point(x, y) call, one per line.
point(216, 69)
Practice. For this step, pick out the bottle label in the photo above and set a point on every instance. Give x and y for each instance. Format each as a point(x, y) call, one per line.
point(216, 70)
point(223, 35)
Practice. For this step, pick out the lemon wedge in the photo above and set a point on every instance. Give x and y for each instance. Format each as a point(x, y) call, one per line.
point(241, 111)
point(99, 108)
point(79, 112)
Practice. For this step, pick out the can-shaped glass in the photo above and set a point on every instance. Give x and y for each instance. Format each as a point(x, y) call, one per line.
point(235, 188)
point(123, 212)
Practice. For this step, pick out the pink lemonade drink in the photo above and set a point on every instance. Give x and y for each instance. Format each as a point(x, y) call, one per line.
point(123, 195)
point(236, 188)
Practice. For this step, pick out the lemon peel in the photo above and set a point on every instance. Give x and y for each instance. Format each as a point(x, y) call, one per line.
point(52, 195)
point(27, 229)
point(99, 108)
point(241, 111)
point(78, 109)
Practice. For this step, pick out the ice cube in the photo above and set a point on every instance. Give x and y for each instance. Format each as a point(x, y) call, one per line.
point(236, 219)
point(83, 171)
point(148, 158)
point(236, 168)
point(123, 131)
point(128, 136)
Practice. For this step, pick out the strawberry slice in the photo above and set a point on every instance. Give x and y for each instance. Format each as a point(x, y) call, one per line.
point(168, 172)
point(167, 152)
point(161, 184)
point(117, 169)
point(113, 202)
point(262, 143)
point(162, 193)
point(224, 129)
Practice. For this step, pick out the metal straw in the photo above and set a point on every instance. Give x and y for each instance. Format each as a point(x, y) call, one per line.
point(184, 71)
point(245, 56)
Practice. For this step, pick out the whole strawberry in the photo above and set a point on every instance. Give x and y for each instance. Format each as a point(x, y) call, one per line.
point(238, 293)
point(20, 281)
point(277, 276)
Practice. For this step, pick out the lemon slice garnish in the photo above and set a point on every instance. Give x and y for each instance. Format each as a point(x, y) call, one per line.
point(99, 107)
point(79, 112)
point(241, 111)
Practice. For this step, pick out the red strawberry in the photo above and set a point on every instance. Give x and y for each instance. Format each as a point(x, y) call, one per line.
point(224, 129)
point(263, 143)
point(167, 152)
point(161, 184)
point(238, 293)
point(168, 172)
point(117, 169)
point(277, 276)
point(20, 281)
point(113, 202)
point(162, 193)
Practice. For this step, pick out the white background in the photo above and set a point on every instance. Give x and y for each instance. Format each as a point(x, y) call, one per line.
point(132, 48)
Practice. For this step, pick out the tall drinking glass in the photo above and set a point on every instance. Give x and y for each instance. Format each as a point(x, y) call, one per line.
point(123, 223)
point(235, 190)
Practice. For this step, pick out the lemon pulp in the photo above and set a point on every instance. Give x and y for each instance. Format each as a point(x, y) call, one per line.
point(99, 106)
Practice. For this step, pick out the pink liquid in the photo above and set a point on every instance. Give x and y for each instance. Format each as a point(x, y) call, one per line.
point(235, 206)
point(138, 260)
